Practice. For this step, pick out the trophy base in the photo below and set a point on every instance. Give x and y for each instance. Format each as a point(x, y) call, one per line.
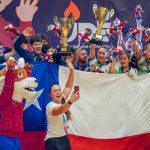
point(62, 52)
point(96, 39)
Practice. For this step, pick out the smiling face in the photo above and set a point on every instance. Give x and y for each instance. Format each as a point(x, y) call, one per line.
point(25, 88)
point(83, 57)
point(129, 45)
point(24, 85)
point(22, 89)
point(124, 61)
point(101, 55)
point(56, 93)
point(37, 47)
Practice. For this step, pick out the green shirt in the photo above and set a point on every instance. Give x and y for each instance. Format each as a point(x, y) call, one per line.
point(144, 66)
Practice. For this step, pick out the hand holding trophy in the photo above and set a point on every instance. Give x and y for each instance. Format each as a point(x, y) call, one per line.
point(65, 25)
point(102, 15)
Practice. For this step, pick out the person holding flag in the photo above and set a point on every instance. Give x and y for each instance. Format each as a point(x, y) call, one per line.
point(58, 114)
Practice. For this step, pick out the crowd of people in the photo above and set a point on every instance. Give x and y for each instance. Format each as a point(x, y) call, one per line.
point(128, 57)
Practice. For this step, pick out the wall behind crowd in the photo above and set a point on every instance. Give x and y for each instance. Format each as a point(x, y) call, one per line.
point(82, 10)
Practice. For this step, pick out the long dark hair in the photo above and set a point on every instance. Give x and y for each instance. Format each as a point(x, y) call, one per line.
point(68, 113)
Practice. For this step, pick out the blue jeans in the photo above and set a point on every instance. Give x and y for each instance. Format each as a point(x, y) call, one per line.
point(59, 143)
point(8, 143)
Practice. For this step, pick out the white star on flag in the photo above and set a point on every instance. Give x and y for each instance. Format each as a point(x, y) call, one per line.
point(34, 100)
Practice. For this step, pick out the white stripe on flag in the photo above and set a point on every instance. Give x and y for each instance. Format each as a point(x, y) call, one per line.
point(110, 106)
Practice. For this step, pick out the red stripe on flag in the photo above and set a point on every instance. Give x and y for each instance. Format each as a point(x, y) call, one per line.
point(33, 140)
point(137, 142)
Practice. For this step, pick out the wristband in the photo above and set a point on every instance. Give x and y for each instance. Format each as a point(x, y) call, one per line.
point(69, 103)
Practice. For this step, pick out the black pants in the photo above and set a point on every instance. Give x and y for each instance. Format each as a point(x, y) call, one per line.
point(59, 143)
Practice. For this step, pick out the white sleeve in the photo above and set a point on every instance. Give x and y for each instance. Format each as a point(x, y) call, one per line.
point(93, 61)
point(133, 72)
point(141, 60)
point(50, 106)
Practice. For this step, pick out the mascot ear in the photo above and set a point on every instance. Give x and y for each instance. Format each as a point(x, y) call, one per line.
point(21, 62)
point(28, 69)
point(11, 63)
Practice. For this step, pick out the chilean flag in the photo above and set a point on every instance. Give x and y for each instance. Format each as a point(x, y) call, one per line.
point(113, 112)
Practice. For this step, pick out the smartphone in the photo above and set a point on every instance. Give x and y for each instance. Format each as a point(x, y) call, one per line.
point(76, 88)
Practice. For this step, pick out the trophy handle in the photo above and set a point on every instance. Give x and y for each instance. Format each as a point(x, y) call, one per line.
point(56, 21)
point(110, 14)
point(94, 9)
point(71, 22)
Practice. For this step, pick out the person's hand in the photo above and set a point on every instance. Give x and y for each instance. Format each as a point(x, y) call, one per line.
point(118, 32)
point(26, 10)
point(74, 97)
point(13, 51)
point(130, 75)
point(51, 51)
point(69, 63)
point(3, 4)
point(27, 31)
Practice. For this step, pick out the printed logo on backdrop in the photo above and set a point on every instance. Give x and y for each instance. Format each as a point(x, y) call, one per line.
point(81, 26)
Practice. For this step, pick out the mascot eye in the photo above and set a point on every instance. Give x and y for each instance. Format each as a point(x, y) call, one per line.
point(20, 75)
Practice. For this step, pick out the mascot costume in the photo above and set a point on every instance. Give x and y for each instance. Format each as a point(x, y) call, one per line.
point(15, 85)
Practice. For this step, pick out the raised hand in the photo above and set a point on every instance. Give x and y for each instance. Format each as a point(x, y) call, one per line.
point(118, 32)
point(26, 10)
point(27, 31)
point(3, 4)
point(69, 62)
point(74, 97)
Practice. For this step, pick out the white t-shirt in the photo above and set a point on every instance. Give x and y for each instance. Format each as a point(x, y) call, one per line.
point(55, 123)
point(97, 67)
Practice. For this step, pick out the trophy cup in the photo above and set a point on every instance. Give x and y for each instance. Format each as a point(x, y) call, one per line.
point(102, 14)
point(65, 25)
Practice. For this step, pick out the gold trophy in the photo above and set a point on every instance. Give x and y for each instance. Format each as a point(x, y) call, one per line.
point(102, 15)
point(65, 25)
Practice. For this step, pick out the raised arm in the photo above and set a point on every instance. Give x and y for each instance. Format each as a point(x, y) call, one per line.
point(70, 80)
point(137, 50)
point(17, 45)
point(65, 107)
point(92, 51)
point(10, 54)
point(76, 56)
point(120, 38)
point(112, 68)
